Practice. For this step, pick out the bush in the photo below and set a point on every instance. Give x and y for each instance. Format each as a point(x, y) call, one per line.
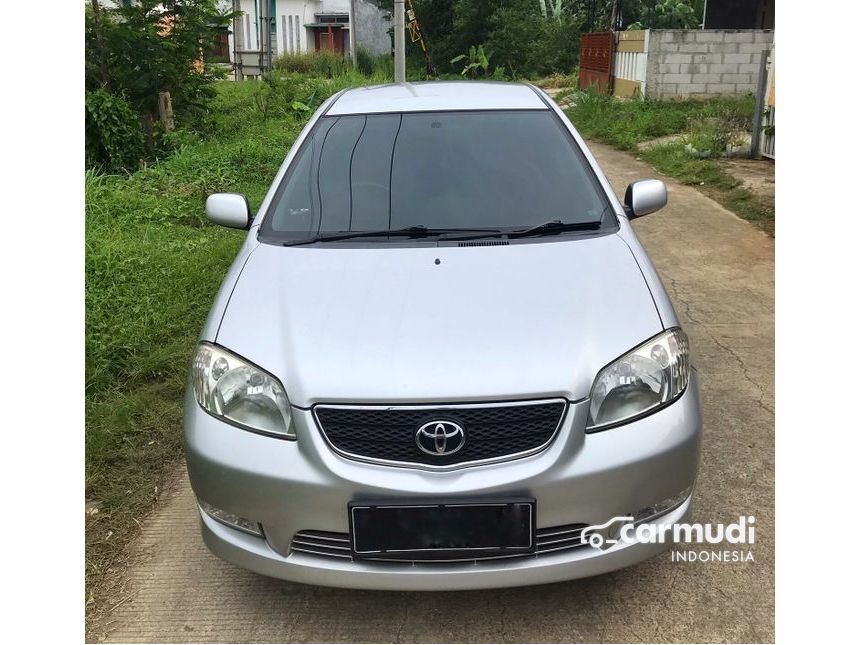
point(364, 61)
point(499, 74)
point(320, 63)
point(278, 95)
point(114, 138)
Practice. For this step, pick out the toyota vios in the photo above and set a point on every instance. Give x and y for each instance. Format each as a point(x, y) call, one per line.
point(440, 354)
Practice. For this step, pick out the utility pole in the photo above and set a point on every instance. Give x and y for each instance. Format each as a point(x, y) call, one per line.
point(265, 37)
point(399, 42)
point(238, 41)
point(352, 28)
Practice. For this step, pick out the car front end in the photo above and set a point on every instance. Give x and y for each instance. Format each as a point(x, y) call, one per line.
point(292, 499)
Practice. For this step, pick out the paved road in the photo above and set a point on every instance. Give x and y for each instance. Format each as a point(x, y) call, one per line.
point(719, 272)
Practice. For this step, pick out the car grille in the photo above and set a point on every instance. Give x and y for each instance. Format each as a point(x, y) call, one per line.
point(492, 432)
point(325, 544)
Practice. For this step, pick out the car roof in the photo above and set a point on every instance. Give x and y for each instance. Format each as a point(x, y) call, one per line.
point(433, 96)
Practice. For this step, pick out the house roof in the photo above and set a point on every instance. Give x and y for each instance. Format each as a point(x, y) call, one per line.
point(437, 96)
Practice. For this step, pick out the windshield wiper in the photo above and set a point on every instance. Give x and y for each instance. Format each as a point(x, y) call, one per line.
point(555, 226)
point(547, 228)
point(409, 231)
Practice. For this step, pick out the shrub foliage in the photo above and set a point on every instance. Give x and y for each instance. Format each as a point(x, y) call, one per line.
point(114, 139)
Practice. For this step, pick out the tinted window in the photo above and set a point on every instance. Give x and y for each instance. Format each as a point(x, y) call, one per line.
point(335, 163)
point(494, 169)
point(371, 172)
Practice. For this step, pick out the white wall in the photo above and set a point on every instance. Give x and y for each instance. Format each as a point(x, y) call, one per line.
point(371, 28)
point(291, 17)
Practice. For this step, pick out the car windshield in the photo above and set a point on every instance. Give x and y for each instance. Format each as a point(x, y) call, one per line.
point(498, 170)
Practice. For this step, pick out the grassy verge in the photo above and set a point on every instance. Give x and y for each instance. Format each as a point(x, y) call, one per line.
point(627, 123)
point(709, 178)
point(153, 266)
point(709, 124)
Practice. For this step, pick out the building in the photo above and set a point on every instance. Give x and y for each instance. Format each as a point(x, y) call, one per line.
point(309, 25)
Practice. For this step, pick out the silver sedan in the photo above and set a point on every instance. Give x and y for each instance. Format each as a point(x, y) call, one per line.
point(441, 354)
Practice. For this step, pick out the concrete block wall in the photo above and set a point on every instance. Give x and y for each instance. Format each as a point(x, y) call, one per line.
point(687, 63)
point(370, 27)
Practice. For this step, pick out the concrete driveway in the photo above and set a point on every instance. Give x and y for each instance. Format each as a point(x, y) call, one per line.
point(719, 272)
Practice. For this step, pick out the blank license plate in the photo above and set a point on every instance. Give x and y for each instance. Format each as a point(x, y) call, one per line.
point(443, 530)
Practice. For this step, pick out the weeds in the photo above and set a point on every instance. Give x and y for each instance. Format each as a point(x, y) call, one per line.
point(627, 123)
point(322, 63)
point(557, 81)
point(333, 65)
point(365, 62)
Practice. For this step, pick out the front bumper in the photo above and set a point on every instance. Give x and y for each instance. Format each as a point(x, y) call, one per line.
point(294, 486)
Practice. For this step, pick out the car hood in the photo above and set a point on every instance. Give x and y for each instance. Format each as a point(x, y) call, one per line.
point(439, 324)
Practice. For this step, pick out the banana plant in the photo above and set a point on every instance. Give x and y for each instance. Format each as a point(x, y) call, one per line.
point(477, 62)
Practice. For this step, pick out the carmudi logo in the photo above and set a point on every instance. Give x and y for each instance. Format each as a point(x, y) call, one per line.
point(624, 530)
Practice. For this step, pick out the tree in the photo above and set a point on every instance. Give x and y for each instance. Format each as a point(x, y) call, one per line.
point(667, 14)
point(515, 34)
point(152, 46)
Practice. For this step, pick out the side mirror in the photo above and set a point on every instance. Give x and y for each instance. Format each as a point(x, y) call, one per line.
point(229, 209)
point(644, 196)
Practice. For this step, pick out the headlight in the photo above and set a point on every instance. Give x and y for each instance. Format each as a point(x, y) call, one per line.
point(233, 389)
point(644, 379)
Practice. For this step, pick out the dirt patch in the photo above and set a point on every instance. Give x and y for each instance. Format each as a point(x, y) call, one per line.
point(112, 585)
point(758, 177)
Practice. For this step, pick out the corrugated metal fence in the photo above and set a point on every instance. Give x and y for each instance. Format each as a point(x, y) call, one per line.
point(614, 62)
point(595, 60)
point(631, 62)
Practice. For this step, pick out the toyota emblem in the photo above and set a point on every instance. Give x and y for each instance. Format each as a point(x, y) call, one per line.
point(440, 438)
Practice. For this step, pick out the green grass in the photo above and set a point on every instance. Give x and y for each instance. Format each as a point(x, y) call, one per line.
point(153, 266)
point(626, 123)
point(706, 124)
point(709, 178)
